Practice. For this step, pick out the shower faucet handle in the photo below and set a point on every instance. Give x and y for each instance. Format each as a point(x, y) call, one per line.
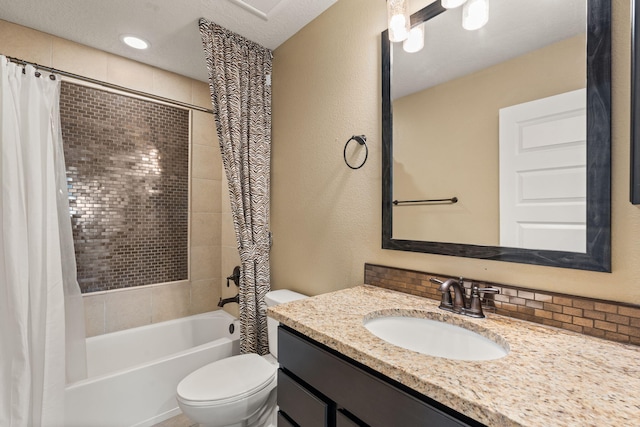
point(235, 276)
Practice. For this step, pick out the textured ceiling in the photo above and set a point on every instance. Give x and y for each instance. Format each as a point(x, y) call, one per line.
point(171, 26)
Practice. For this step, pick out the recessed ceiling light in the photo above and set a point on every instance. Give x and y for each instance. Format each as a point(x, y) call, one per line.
point(135, 42)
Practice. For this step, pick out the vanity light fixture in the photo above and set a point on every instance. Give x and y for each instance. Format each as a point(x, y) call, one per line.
point(475, 14)
point(415, 41)
point(135, 42)
point(398, 20)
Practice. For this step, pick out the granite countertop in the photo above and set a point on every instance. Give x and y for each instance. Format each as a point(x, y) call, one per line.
point(551, 377)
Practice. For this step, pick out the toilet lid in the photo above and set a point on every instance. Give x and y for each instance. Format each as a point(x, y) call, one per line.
point(227, 378)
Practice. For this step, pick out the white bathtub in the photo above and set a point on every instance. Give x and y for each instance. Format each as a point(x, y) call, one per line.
point(133, 374)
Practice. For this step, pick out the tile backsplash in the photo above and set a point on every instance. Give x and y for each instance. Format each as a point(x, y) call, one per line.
point(603, 319)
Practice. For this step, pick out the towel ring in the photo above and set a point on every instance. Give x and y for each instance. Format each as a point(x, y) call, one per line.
point(362, 140)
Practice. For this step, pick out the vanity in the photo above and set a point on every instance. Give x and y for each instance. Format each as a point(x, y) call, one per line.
point(335, 372)
point(317, 387)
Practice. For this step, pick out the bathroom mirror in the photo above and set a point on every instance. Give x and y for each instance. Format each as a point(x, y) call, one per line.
point(458, 114)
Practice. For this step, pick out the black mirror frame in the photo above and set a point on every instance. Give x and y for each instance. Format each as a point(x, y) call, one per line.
point(634, 193)
point(598, 255)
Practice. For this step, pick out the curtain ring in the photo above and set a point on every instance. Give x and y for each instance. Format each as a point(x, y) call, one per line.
point(362, 140)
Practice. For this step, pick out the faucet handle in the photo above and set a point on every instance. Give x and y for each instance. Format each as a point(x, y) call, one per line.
point(487, 290)
point(475, 306)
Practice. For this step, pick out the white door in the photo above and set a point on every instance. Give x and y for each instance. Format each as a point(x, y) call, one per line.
point(543, 178)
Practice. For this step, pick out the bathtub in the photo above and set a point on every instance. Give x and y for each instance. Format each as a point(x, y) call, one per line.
point(133, 374)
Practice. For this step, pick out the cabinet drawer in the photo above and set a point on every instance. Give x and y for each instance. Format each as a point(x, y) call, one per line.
point(367, 397)
point(302, 406)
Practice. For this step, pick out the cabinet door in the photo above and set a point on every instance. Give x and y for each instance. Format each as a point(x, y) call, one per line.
point(301, 405)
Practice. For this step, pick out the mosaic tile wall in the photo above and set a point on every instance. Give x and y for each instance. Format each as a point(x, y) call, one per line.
point(603, 319)
point(128, 173)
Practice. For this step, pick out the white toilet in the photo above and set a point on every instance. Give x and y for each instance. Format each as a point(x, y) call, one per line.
point(238, 391)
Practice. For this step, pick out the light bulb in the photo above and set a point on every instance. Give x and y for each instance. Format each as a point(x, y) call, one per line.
point(475, 14)
point(398, 20)
point(451, 4)
point(415, 42)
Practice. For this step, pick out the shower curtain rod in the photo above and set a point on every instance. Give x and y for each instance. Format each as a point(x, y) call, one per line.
point(109, 85)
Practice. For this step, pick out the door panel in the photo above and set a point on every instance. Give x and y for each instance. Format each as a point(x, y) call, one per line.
point(543, 173)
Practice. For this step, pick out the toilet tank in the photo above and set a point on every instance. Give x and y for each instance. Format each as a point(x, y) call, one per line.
point(274, 298)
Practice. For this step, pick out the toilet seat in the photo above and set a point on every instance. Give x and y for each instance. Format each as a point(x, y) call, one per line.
point(227, 380)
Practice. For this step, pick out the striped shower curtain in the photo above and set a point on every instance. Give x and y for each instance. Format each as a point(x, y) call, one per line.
point(239, 80)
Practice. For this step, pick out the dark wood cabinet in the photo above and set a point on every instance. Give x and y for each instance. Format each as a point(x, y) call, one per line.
point(302, 405)
point(318, 386)
point(283, 420)
point(345, 420)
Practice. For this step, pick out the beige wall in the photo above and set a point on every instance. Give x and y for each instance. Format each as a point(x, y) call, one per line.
point(446, 142)
point(122, 309)
point(230, 254)
point(326, 218)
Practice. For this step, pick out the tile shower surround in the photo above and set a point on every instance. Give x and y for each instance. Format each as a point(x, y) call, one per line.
point(603, 319)
point(128, 174)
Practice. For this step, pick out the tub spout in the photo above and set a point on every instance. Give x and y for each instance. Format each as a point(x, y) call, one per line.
point(235, 299)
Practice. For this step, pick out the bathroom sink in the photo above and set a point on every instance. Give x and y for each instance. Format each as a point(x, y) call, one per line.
point(435, 338)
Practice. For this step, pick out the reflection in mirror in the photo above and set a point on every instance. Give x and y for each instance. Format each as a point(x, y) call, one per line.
point(491, 74)
point(498, 119)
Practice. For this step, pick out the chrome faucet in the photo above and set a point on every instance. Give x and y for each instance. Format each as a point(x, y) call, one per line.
point(460, 305)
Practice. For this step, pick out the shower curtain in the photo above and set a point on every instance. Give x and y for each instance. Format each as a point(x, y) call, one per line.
point(239, 80)
point(41, 313)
